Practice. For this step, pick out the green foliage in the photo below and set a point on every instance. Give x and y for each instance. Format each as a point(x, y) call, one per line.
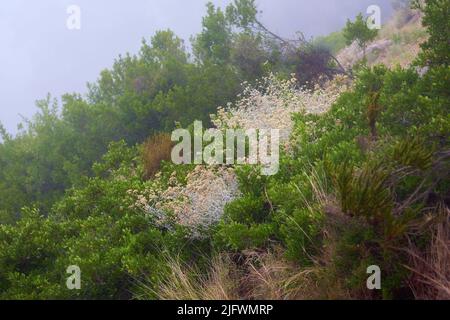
point(359, 31)
point(246, 210)
point(301, 234)
point(236, 236)
point(374, 152)
point(436, 19)
point(27, 251)
point(335, 41)
point(249, 55)
point(213, 43)
point(363, 194)
point(96, 228)
point(36, 165)
point(242, 13)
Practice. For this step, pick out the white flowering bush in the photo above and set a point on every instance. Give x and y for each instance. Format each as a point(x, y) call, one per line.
point(271, 102)
point(197, 203)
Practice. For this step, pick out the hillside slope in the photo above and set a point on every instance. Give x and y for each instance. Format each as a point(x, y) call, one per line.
point(398, 42)
point(359, 208)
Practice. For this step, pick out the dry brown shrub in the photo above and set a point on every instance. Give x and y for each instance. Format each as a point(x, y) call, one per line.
point(431, 270)
point(269, 276)
point(155, 150)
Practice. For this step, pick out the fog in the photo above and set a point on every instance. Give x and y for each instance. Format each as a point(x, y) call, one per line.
point(40, 55)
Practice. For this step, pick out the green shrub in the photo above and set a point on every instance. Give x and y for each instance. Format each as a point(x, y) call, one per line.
point(236, 236)
point(301, 234)
point(246, 210)
point(335, 41)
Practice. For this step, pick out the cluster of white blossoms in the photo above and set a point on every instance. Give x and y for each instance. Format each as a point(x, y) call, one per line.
point(204, 197)
point(271, 103)
point(198, 203)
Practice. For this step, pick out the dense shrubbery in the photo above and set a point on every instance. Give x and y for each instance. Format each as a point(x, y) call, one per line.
point(97, 227)
point(142, 94)
point(379, 161)
point(363, 181)
point(383, 182)
point(436, 48)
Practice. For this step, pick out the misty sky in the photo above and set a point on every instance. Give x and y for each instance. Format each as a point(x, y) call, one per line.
point(39, 55)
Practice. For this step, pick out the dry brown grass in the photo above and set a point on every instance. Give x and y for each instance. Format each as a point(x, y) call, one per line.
point(254, 275)
point(269, 276)
point(156, 149)
point(187, 283)
point(259, 276)
point(431, 270)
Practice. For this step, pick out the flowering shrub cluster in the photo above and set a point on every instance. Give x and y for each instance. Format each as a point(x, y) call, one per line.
point(271, 103)
point(198, 203)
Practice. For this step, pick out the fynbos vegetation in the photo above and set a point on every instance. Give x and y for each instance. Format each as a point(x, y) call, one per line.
point(362, 181)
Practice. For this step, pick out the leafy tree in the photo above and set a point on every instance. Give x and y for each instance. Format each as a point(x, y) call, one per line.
point(4, 134)
point(249, 55)
point(436, 19)
point(213, 43)
point(359, 31)
point(242, 13)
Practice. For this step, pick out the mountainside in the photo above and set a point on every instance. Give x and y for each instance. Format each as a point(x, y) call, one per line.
point(355, 204)
point(398, 42)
